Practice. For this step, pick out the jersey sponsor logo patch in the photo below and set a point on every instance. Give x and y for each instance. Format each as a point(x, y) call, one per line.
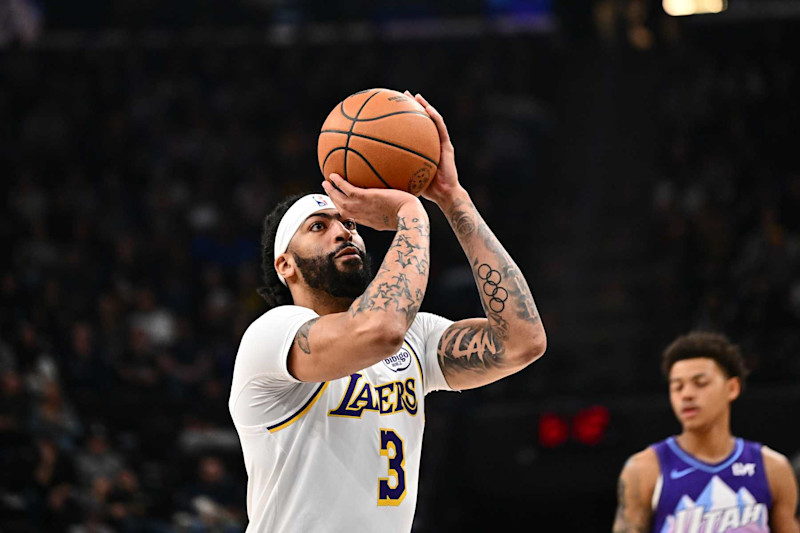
point(399, 361)
point(677, 474)
point(744, 469)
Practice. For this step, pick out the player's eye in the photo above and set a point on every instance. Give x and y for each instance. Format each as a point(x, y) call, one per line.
point(317, 226)
point(349, 224)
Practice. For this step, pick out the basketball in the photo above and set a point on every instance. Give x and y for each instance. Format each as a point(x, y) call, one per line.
point(380, 138)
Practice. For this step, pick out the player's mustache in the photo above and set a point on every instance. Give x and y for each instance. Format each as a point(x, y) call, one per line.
point(361, 252)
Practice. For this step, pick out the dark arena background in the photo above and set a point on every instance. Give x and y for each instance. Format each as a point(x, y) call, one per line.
point(641, 167)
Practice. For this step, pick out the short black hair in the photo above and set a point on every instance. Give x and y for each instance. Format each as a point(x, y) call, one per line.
point(273, 291)
point(710, 345)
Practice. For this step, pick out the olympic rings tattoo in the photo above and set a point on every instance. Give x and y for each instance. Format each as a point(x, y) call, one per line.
point(491, 287)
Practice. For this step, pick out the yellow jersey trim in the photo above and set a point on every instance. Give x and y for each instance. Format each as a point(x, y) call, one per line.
point(303, 410)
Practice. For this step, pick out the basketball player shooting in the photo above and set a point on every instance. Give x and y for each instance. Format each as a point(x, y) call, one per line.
point(705, 480)
point(329, 385)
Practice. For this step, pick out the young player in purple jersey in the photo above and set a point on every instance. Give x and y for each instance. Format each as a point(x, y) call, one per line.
point(705, 480)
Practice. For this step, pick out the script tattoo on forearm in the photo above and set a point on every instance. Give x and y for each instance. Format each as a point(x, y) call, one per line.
point(396, 285)
point(475, 348)
point(302, 335)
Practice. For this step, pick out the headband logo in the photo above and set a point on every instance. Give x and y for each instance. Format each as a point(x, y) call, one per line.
point(320, 200)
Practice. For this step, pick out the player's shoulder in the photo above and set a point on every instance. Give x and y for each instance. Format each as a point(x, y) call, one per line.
point(276, 318)
point(775, 461)
point(644, 463)
point(780, 475)
point(640, 474)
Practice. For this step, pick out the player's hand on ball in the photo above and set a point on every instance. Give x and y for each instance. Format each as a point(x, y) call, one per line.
point(445, 182)
point(376, 208)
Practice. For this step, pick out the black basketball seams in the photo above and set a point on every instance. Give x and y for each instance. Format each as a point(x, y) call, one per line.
point(329, 154)
point(407, 112)
point(356, 152)
point(346, 148)
point(353, 125)
point(375, 139)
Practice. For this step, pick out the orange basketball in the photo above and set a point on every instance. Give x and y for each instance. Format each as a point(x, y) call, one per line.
point(380, 138)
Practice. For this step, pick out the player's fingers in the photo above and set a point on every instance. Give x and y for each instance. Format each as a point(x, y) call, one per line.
point(444, 136)
point(408, 93)
point(343, 185)
point(421, 99)
point(434, 114)
point(338, 197)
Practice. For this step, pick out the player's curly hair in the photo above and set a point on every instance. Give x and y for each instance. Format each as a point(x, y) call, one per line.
point(273, 291)
point(707, 344)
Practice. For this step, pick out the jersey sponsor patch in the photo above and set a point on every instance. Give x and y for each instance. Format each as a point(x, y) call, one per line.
point(399, 361)
point(744, 469)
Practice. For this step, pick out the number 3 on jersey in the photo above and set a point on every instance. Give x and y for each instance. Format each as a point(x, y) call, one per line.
point(392, 493)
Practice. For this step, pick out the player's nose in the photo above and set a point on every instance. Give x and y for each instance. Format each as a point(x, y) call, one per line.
point(342, 233)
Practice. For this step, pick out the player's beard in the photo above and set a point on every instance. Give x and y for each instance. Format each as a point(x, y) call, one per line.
point(322, 274)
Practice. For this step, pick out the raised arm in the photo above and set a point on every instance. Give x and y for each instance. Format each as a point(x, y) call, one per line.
point(635, 493)
point(336, 345)
point(478, 351)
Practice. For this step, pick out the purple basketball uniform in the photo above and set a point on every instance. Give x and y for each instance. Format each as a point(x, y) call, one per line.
point(693, 496)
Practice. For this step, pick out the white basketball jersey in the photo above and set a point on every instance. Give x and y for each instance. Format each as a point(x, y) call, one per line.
point(336, 456)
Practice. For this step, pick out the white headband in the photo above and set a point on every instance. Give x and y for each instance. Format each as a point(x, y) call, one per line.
point(294, 218)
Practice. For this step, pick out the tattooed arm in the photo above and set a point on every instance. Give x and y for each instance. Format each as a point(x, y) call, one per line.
point(635, 493)
point(373, 328)
point(479, 351)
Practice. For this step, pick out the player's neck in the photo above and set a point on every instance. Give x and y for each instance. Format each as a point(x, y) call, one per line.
point(711, 444)
point(321, 302)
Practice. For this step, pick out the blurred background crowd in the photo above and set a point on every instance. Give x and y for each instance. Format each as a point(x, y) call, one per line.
point(640, 168)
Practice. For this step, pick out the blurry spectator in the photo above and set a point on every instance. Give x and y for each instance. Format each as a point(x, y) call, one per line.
point(213, 497)
point(97, 459)
point(137, 365)
point(110, 332)
point(54, 478)
point(202, 435)
point(55, 419)
point(33, 357)
point(155, 321)
point(16, 457)
point(86, 372)
point(127, 504)
point(95, 500)
point(13, 408)
point(186, 365)
point(129, 507)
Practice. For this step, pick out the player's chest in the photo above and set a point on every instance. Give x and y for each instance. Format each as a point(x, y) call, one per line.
point(391, 388)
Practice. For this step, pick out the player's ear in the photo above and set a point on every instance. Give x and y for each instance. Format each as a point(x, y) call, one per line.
point(734, 388)
point(284, 265)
